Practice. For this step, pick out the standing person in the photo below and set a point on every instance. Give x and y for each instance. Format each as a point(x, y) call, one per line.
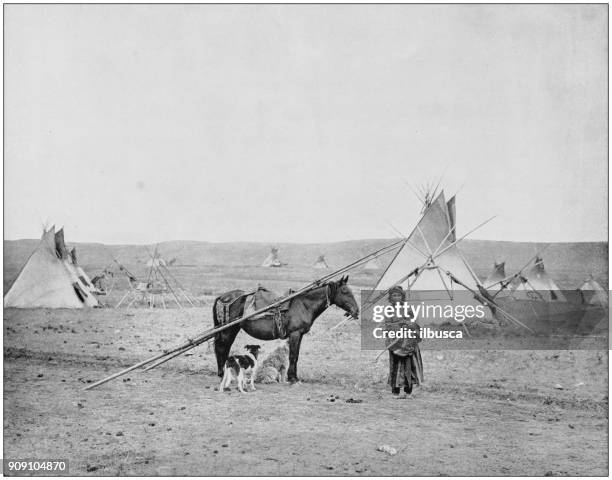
point(405, 363)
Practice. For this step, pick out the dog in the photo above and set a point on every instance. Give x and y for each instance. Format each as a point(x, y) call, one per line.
point(238, 366)
point(274, 366)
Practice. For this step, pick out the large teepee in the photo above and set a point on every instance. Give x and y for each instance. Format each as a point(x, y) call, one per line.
point(50, 279)
point(430, 266)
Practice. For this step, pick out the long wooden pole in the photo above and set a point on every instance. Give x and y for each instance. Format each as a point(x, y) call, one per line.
point(127, 370)
point(208, 334)
point(165, 359)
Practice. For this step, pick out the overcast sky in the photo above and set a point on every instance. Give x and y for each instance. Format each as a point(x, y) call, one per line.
point(138, 124)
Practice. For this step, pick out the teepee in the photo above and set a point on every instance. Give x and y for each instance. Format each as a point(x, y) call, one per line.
point(161, 288)
point(156, 261)
point(496, 276)
point(431, 268)
point(320, 262)
point(272, 260)
point(49, 279)
point(537, 283)
point(593, 292)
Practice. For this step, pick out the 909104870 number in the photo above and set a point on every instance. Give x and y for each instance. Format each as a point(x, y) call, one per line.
point(31, 465)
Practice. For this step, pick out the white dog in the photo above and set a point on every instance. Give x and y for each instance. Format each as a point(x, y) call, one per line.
point(238, 367)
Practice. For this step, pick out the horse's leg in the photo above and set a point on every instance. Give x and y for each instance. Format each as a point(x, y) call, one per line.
point(295, 339)
point(223, 344)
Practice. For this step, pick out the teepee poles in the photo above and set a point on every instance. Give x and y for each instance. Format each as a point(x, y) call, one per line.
point(478, 294)
point(161, 288)
point(166, 359)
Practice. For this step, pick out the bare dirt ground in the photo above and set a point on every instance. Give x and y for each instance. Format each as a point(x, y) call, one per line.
point(479, 413)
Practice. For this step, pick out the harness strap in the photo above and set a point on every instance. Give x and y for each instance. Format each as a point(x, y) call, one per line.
point(279, 324)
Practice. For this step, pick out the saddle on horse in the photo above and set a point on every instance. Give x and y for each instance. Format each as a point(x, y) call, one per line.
point(254, 301)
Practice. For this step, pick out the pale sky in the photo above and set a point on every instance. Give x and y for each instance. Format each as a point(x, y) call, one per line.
point(302, 123)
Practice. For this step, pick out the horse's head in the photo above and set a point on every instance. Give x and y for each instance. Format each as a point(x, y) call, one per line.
point(342, 296)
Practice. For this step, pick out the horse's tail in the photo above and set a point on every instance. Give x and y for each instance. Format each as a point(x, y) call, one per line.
point(223, 304)
point(215, 315)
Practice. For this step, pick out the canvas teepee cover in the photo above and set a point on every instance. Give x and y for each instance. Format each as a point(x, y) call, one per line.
point(79, 283)
point(47, 280)
point(430, 250)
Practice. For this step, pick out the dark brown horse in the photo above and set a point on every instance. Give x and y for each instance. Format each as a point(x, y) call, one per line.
point(302, 311)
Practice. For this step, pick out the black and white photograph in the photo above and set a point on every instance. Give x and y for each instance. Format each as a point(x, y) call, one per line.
point(287, 240)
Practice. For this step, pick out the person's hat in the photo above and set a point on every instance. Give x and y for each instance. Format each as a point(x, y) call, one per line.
point(397, 289)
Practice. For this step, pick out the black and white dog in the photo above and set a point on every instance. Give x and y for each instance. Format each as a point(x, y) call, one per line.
point(238, 366)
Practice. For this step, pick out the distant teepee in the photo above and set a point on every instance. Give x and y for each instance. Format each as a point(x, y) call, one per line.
point(156, 261)
point(496, 276)
point(272, 260)
point(320, 262)
point(161, 288)
point(536, 281)
point(593, 292)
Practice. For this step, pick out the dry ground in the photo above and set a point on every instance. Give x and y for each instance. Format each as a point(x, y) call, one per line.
point(479, 412)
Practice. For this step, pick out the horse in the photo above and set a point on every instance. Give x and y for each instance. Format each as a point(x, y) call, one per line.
point(301, 313)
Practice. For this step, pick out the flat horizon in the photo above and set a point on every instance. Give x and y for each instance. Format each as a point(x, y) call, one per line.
point(390, 239)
